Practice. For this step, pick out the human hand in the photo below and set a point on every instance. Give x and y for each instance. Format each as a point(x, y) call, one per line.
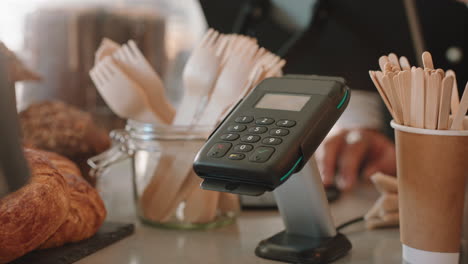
point(352, 151)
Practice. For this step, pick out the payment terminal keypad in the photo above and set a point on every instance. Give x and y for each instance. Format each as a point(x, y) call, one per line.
point(219, 150)
point(286, 123)
point(258, 130)
point(237, 128)
point(264, 121)
point(243, 148)
point(279, 132)
point(272, 141)
point(261, 154)
point(244, 119)
point(252, 139)
point(236, 156)
point(230, 137)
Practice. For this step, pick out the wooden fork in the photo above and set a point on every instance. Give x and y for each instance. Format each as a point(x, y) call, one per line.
point(199, 76)
point(229, 85)
point(133, 62)
point(107, 48)
point(124, 96)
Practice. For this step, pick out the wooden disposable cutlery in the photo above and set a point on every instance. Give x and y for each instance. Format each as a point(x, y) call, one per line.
point(427, 60)
point(432, 100)
point(405, 65)
point(459, 116)
point(455, 100)
point(132, 61)
point(220, 71)
point(394, 60)
point(389, 88)
point(244, 64)
point(124, 96)
point(404, 78)
point(199, 76)
point(420, 97)
point(445, 99)
point(107, 48)
point(228, 86)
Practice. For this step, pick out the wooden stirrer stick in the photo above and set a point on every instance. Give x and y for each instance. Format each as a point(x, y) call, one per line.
point(405, 91)
point(393, 58)
point(445, 97)
point(405, 65)
point(399, 93)
point(382, 93)
point(390, 90)
point(433, 82)
point(382, 61)
point(418, 97)
point(460, 115)
point(427, 60)
point(455, 101)
point(441, 73)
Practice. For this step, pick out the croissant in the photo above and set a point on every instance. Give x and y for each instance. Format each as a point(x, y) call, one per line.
point(29, 216)
point(64, 129)
point(56, 207)
point(87, 211)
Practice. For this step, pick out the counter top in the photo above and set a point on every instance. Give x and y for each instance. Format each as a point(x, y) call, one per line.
point(236, 243)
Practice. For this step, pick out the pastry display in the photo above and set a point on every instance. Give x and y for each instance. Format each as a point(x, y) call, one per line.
point(64, 129)
point(87, 211)
point(31, 215)
point(56, 207)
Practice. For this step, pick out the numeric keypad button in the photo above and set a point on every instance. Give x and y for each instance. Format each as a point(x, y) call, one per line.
point(237, 128)
point(243, 148)
point(272, 141)
point(219, 150)
point(261, 154)
point(230, 137)
point(258, 130)
point(244, 119)
point(279, 132)
point(286, 123)
point(264, 121)
point(250, 138)
point(236, 156)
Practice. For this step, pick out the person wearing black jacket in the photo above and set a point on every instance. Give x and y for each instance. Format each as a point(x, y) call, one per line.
point(346, 38)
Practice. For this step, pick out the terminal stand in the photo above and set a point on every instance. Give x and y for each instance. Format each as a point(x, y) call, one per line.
point(310, 236)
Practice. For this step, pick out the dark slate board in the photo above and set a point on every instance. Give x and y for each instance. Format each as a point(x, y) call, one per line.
point(108, 234)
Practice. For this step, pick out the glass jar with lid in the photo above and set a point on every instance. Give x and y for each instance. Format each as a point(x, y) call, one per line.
point(166, 190)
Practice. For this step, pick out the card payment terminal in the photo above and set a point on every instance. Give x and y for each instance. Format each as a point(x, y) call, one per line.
point(271, 133)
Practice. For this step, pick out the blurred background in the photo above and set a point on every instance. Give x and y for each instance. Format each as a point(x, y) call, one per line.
point(58, 39)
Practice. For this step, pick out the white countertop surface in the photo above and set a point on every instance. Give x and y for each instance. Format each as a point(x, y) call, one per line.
point(235, 243)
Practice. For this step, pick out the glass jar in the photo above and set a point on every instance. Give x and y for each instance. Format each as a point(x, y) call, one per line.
point(166, 190)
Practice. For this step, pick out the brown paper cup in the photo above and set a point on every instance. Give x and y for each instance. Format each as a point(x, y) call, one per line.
point(432, 170)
